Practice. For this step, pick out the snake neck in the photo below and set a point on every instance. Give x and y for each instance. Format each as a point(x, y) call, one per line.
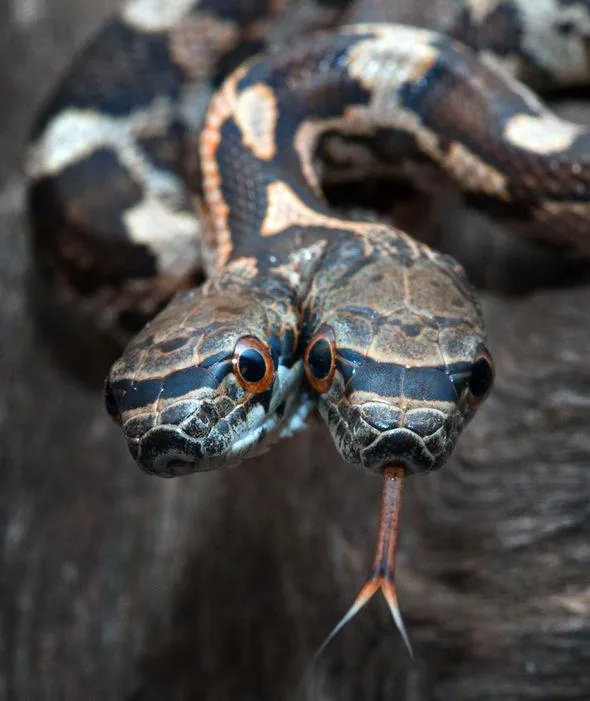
point(257, 146)
point(388, 85)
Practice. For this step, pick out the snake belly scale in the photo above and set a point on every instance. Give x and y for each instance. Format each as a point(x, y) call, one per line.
point(304, 307)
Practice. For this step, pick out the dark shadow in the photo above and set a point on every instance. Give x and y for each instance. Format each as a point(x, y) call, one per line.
point(68, 334)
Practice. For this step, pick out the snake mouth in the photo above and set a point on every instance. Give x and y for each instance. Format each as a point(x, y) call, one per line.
point(195, 445)
point(374, 434)
point(399, 445)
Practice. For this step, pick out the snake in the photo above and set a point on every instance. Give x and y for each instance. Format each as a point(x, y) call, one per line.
point(195, 137)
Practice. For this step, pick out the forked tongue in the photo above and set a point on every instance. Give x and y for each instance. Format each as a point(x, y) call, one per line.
point(383, 570)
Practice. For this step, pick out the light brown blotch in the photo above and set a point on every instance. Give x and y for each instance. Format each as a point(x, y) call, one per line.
point(393, 58)
point(543, 134)
point(473, 173)
point(480, 9)
point(198, 41)
point(256, 115)
point(285, 209)
point(223, 106)
point(219, 235)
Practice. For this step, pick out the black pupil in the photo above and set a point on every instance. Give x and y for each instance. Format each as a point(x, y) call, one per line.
point(252, 365)
point(319, 359)
point(482, 376)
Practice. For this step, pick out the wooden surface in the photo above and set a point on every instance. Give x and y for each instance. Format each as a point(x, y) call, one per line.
point(115, 585)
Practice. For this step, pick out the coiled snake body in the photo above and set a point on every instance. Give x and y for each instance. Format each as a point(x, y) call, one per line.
point(303, 307)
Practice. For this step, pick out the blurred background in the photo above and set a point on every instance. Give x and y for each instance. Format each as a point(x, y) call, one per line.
point(116, 585)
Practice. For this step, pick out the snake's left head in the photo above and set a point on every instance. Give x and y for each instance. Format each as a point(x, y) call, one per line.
point(212, 379)
point(397, 356)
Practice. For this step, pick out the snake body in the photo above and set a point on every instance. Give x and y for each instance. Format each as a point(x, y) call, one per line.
point(303, 307)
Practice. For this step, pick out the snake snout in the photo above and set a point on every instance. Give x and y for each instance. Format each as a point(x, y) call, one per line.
point(166, 451)
point(384, 417)
point(186, 436)
point(401, 446)
point(418, 438)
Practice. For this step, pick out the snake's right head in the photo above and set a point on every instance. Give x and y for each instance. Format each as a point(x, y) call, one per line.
point(211, 380)
point(395, 350)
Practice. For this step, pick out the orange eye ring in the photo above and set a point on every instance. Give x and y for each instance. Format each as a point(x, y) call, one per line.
point(252, 365)
point(481, 379)
point(320, 359)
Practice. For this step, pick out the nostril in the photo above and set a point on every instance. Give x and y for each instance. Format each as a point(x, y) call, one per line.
point(381, 416)
point(424, 422)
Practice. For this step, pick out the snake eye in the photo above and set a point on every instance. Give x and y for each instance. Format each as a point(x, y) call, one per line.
point(320, 362)
point(253, 366)
point(482, 378)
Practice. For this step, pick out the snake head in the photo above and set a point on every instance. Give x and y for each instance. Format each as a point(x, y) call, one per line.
point(396, 354)
point(210, 380)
